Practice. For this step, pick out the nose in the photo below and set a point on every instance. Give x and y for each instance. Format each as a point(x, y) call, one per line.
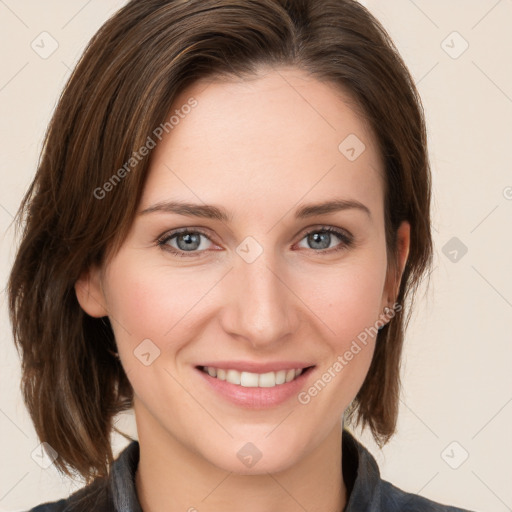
point(260, 306)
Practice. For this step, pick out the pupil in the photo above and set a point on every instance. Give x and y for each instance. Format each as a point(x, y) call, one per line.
point(190, 240)
point(321, 238)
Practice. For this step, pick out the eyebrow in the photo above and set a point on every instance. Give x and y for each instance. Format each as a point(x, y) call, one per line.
point(218, 213)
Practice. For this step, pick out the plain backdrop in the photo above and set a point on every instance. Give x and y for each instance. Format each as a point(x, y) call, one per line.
point(453, 442)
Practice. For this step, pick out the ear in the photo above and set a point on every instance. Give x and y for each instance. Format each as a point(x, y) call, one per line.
point(89, 293)
point(403, 243)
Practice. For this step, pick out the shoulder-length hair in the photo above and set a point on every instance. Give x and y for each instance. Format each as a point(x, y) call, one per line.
point(119, 93)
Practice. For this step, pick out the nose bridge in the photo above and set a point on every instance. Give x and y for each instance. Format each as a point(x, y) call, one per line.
point(261, 306)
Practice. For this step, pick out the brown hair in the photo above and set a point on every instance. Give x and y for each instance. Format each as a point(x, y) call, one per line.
point(120, 91)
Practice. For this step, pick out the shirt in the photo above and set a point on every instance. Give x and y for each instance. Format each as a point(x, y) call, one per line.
point(366, 491)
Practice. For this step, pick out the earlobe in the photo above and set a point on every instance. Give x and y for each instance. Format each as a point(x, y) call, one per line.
point(89, 293)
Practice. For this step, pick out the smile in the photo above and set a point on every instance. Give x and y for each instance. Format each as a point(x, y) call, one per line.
point(253, 380)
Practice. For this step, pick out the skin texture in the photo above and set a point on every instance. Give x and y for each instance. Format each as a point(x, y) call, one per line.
point(259, 148)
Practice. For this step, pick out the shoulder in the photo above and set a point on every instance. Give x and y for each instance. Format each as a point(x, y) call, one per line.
point(95, 496)
point(50, 506)
point(370, 493)
point(113, 493)
point(394, 499)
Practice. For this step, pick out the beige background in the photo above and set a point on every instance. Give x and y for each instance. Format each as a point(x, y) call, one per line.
point(456, 372)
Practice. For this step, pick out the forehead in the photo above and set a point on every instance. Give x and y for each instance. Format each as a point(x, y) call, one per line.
point(280, 135)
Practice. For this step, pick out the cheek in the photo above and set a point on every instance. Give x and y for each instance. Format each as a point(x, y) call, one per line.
point(153, 302)
point(171, 307)
point(349, 299)
point(348, 302)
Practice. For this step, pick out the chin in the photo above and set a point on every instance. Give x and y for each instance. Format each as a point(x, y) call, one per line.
point(245, 457)
point(263, 466)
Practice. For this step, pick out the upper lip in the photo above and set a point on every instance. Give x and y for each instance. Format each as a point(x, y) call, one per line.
point(253, 367)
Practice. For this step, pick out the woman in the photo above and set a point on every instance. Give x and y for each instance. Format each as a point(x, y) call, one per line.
point(231, 209)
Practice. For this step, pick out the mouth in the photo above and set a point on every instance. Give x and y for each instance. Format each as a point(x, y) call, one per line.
point(247, 379)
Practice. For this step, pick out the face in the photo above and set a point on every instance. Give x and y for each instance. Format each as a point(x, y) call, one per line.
point(262, 286)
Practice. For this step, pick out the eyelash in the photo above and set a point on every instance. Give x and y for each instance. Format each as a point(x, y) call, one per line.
point(346, 240)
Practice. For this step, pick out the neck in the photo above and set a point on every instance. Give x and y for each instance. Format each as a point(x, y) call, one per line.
point(171, 476)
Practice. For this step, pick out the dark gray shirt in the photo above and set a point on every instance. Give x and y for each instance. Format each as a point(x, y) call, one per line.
point(367, 491)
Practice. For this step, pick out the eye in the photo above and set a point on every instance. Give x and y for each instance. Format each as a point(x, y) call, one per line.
point(184, 241)
point(322, 238)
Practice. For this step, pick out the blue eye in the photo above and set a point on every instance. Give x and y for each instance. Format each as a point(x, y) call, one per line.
point(189, 242)
point(322, 238)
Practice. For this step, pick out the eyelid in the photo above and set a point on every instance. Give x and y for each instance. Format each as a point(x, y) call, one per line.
point(325, 227)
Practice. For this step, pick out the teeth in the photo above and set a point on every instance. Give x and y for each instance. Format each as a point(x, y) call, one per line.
point(254, 380)
point(250, 380)
point(281, 377)
point(233, 376)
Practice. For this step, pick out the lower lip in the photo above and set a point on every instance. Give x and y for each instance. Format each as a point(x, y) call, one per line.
point(256, 398)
